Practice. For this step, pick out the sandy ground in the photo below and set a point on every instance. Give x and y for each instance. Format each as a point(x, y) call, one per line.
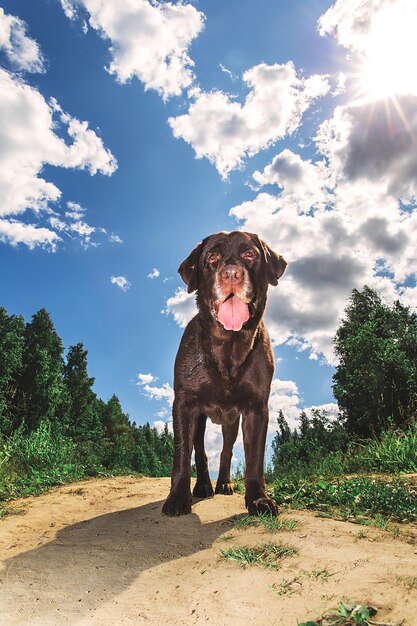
point(100, 552)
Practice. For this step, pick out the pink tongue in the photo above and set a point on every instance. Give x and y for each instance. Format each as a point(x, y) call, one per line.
point(233, 313)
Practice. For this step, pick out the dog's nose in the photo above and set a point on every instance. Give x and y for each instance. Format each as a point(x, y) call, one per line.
point(232, 274)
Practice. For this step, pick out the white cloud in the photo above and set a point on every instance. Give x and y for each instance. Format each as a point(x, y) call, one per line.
point(149, 40)
point(22, 51)
point(331, 409)
point(29, 140)
point(69, 9)
point(228, 72)
point(354, 22)
point(154, 273)
point(75, 210)
point(181, 306)
point(145, 379)
point(153, 392)
point(115, 238)
point(374, 141)
point(160, 426)
point(225, 132)
point(285, 397)
point(381, 35)
point(86, 150)
point(73, 224)
point(304, 183)
point(120, 281)
point(343, 244)
point(15, 232)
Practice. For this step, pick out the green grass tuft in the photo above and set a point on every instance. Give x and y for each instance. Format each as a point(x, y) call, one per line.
point(264, 554)
point(270, 522)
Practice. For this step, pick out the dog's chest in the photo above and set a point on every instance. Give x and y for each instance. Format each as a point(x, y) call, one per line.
point(221, 414)
point(223, 405)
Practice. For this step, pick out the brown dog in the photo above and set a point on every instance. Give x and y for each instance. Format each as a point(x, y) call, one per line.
point(224, 366)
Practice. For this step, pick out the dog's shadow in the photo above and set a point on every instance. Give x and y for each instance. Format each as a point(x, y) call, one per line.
point(94, 560)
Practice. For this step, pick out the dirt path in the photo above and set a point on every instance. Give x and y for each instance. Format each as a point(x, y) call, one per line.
point(100, 552)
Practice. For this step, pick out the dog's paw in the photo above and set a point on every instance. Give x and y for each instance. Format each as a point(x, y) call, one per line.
point(203, 490)
point(226, 489)
point(263, 505)
point(177, 505)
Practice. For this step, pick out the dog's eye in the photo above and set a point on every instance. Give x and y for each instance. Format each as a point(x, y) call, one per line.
point(213, 257)
point(249, 255)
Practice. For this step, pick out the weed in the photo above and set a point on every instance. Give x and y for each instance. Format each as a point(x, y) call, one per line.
point(322, 575)
point(239, 485)
point(264, 554)
point(243, 521)
point(384, 524)
point(228, 537)
point(270, 522)
point(286, 587)
point(346, 614)
point(409, 582)
point(361, 534)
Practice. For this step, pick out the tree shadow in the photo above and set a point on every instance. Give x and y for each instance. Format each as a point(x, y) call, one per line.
point(97, 559)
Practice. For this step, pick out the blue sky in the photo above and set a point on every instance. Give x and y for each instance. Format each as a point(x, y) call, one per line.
point(305, 134)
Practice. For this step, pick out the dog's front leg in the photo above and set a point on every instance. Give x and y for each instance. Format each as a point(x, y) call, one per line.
point(255, 426)
point(184, 424)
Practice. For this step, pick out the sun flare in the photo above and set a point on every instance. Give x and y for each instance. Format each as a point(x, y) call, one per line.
point(390, 52)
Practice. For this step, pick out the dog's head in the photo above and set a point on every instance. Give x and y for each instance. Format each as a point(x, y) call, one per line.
point(231, 273)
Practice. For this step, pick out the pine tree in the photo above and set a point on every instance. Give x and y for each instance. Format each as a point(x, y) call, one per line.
point(115, 422)
point(84, 422)
point(41, 377)
point(284, 430)
point(12, 330)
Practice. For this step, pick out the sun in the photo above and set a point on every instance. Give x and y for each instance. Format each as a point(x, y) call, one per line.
point(390, 53)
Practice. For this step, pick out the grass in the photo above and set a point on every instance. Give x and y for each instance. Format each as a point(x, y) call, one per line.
point(286, 587)
point(318, 454)
point(309, 472)
point(350, 498)
point(264, 554)
point(395, 451)
point(346, 614)
point(269, 522)
point(289, 587)
point(361, 534)
point(30, 464)
point(33, 463)
point(321, 575)
point(409, 582)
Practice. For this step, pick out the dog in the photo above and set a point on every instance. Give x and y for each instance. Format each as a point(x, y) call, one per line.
point(224, 367)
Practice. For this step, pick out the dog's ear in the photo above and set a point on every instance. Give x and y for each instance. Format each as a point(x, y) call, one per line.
point(275, 263)
point(188, 270)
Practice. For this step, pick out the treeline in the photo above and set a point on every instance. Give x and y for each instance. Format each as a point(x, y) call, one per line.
point(49, 412)
point(375, 385)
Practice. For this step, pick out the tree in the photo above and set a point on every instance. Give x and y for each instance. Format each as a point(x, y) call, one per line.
point(284, 431)
point(84, 423)
point(116, 423)
point(12, 330)
point(375, 382)
point(41, 376)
